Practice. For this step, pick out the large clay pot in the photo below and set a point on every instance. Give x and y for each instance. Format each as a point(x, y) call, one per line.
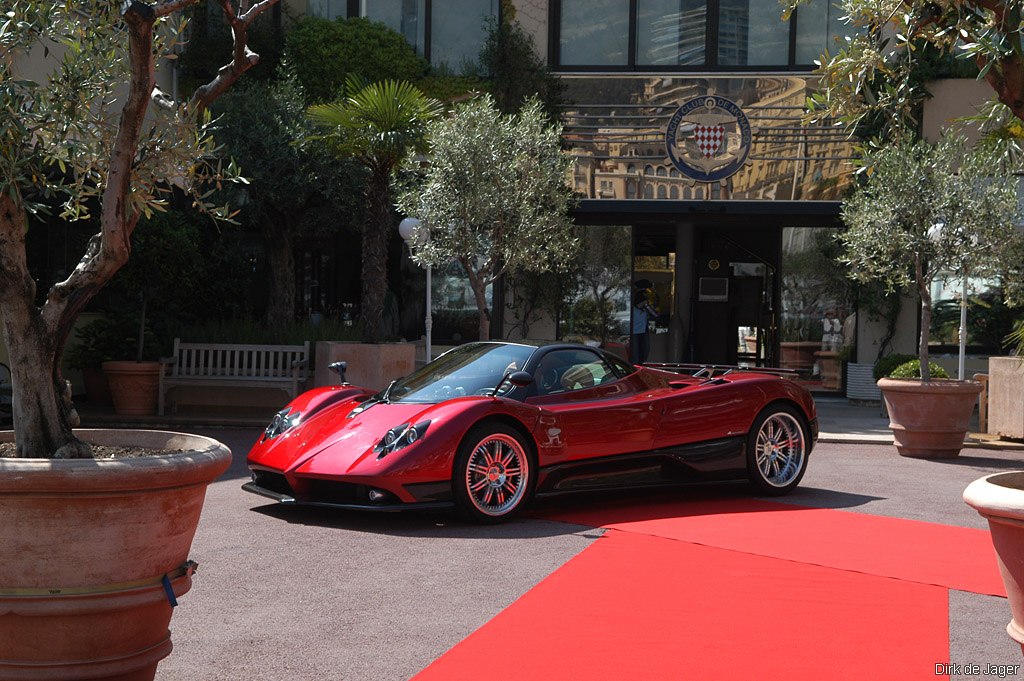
point(830, 368)
point(798, 355)
point(929, 420)
point(134, 386)
point(1000, 499)
point(91, 550)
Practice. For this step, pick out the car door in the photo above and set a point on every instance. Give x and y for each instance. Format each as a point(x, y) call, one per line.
point(590, 409)
point(703, 412)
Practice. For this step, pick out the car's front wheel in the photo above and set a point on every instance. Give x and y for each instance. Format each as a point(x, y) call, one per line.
point(777, 449)
point(493, 473)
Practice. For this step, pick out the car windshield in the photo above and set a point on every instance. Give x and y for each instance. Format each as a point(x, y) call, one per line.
point(473, 369)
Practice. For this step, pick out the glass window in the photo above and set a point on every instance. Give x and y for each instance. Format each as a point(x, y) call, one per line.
point(752, 33)
point(597, 311)
point(453, 303)
point(323, 9)
point(458, 29)
point(662, 192)
point(818, 320)
point(675, 33)
point(562, 371)
point(594, 33)
point(817, 25)
point(408, 17)
point(670, 32)
point(620, 366)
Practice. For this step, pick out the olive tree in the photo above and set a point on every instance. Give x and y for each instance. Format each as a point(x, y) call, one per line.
point(493, 195)
point(871, 74)
point(927, 209)
point(88, 139)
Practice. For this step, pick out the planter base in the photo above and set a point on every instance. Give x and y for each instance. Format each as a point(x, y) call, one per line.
point(929, 420)
point(91, 547)
point(999, 498)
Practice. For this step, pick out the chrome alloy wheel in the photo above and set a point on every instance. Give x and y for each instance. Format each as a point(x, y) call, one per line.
point(780, 449)
point(497, 474)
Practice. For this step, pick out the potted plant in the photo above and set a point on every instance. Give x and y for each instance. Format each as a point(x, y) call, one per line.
point(926, 209)
point(157, 277)
point(999, 498)
point(95, 550)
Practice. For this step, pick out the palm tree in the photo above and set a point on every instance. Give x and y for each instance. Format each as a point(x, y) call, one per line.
point(376, 124)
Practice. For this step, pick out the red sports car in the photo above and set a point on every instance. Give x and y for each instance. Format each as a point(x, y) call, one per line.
point(488, 425)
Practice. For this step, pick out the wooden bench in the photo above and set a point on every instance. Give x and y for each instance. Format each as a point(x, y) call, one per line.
point(234, 366)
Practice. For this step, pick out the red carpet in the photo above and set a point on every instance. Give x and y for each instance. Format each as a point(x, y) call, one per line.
point(953, 557)
point(634, 606)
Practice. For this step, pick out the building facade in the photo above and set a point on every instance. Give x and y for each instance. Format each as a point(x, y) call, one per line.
point(685, 118)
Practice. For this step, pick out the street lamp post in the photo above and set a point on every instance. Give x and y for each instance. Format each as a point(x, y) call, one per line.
point(415, 237)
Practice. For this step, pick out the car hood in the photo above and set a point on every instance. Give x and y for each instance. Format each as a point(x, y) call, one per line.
point(350, 440)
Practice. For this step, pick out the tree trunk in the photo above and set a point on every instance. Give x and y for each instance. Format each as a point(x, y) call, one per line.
point(926, 322)
point(36, 336)
point(280, 249)
point(35, 340)
point(375, 255)
point(1008, 82)
point(478, 283)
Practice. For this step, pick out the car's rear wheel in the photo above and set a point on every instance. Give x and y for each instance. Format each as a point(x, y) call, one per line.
point(777, 449)
point(493, 474)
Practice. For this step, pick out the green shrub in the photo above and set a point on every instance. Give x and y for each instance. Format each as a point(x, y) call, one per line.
point(912, 369)
point(884, 366)
point(323, 53)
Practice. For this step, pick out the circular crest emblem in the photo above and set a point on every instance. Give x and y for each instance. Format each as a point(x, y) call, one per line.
point(708, 138)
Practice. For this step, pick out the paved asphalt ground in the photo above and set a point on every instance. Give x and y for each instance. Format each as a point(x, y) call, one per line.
point(317, 594)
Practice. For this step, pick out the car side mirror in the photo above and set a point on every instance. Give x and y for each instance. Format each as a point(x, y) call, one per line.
point(520, 379)
point(339, 368)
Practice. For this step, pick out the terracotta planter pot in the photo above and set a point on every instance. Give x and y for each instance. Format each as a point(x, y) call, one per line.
point(830, 368)
point(1000, 499)
point(798, 355)
point(134, 386)
point(91, 549)
point(929, 420)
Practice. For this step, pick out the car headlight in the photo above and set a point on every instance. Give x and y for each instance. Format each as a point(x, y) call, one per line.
point(283, 421)
point(399, 437)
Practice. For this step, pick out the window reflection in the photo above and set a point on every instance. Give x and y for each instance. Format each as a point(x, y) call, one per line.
point(597, 312)
point(594, 33)
point(817, 25)
point(670, 32)
point(405, 16)
point(818, 324)
point(749, 33)
point(458, 30)
point(455, 315)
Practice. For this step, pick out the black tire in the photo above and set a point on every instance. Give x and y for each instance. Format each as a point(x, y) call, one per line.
point(494, 473)
point(777, 450)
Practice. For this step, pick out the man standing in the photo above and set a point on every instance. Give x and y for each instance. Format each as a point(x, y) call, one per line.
point(640, 344)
